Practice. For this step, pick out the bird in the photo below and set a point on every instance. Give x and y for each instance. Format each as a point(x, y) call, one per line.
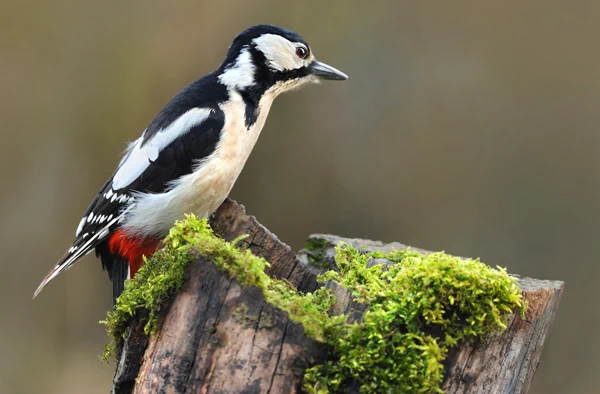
point(191, 154)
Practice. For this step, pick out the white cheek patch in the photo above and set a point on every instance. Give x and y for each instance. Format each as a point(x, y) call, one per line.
point(280, 52)
point(140, 157)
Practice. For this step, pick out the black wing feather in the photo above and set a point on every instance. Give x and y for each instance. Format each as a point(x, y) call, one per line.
point(174, 161)
point(179, 158)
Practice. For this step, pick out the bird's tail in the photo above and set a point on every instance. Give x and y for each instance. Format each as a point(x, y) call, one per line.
point(80, 248)
point(63, 264)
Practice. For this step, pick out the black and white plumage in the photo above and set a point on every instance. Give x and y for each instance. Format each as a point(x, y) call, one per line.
point(189, 157)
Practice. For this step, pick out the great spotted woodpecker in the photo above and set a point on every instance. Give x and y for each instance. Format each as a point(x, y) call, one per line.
point(189, 157)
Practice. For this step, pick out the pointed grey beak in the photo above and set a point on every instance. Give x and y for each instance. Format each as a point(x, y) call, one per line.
point(324, 71)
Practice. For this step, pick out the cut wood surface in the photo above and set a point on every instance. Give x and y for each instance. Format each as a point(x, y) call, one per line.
point(219, 337)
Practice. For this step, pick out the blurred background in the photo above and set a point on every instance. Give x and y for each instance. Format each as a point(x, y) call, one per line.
point(469, 127)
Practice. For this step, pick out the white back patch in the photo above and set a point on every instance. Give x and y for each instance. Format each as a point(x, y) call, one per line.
point(241, 74)
point(280, 52)
point(140, 156)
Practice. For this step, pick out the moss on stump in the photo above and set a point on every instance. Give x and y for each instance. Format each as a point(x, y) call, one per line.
point(419, 307)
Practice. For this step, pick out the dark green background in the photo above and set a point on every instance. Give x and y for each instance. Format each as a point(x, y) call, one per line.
point(470, 127)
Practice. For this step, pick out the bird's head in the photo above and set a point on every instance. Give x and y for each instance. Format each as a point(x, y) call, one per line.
point(272, 59)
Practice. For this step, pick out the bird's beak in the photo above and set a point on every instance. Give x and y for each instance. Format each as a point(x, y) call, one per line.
point(325, 71)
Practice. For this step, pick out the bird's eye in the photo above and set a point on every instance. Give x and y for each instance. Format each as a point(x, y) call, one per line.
point(301, 52)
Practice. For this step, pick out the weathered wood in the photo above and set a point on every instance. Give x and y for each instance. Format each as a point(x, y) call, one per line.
point(220, 337)
point(506, 363)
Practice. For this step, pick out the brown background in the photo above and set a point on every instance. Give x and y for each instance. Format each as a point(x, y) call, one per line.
point(466, 126)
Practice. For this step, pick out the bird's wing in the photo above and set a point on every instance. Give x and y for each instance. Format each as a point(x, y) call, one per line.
point(150, 165)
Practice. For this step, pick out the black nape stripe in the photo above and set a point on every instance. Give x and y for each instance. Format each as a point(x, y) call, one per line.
point(264, 78)
point(251, 98)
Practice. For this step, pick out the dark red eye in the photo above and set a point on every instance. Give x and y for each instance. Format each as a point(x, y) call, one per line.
point(301, 52)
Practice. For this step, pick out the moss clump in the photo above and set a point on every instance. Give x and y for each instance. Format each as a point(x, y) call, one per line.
point(419, 308)
point(163, 274)
point(157, 280)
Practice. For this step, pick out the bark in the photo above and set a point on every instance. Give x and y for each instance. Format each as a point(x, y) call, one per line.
point(219, 337)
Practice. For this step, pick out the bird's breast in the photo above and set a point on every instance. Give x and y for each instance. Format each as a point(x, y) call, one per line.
point(217, 174)
point(202, 191)
point(205, 189)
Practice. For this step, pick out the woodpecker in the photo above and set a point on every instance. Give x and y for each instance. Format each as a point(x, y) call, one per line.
point(192, 152)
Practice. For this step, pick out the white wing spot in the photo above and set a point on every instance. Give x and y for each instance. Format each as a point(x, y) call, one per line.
point(91, 217)
point(80, 227)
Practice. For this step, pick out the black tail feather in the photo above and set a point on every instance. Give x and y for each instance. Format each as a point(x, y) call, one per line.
point(116, 266)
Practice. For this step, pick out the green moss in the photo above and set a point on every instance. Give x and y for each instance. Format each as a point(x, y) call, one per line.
point(164, 273)
point(156, 281)
point(419, 307)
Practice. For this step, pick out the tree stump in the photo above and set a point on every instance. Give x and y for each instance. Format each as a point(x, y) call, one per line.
point(219, 337)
